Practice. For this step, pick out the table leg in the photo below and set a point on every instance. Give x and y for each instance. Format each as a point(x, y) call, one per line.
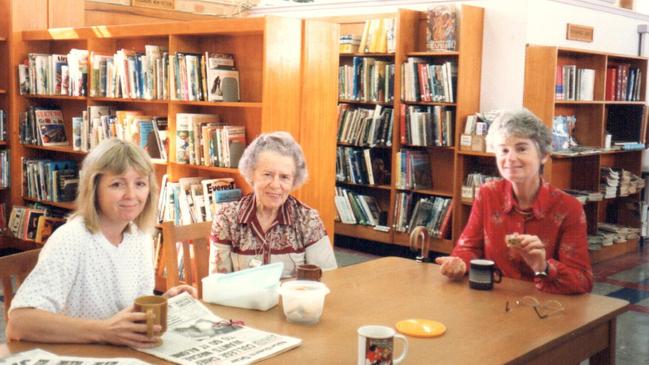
point(606, 356)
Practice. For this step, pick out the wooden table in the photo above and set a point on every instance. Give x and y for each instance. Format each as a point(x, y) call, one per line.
point(390, 289)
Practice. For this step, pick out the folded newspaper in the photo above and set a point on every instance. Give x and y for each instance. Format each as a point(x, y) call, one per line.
point(195, 335)
point(41, 357)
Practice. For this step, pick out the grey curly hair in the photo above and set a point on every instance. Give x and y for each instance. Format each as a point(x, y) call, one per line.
point(523, 124)
point(279, 142)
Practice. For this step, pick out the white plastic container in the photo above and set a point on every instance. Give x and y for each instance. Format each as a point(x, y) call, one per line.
point(255, 288)
point(303, 300)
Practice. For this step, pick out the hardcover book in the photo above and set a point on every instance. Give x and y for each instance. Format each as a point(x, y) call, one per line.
point(51, 131)
point(441, 29)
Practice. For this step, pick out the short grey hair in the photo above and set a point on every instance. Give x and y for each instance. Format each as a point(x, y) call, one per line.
point(522, 124)
point(279, 142)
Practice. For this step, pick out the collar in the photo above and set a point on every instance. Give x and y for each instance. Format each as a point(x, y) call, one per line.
point(540, 204)
point(248, 211)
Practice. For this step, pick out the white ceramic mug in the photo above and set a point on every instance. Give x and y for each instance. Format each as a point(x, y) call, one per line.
point(376, 345)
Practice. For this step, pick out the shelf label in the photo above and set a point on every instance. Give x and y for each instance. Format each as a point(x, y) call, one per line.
point(581, 33)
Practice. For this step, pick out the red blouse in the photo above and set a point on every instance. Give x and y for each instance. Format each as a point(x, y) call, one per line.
point(557, 218)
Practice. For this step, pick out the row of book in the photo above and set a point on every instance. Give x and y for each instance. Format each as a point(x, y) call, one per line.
point(354, 208)
point(427, 125)
point(349, 43)
point(194, 199)
point(32, 223)
point(100, 122)
point(623, 82)
point(616, 182)
point(366, 79)
point(472, 184)
point(425, 81)
point(4, 168)
point(203, 139)
point(54, 74)
point(3, 126)
point(362, 166)
point(414, 170)
point(42, 126)
point(50, 180)
point(153, 74)
point(609, 234)
point(365, 127)
point(574, 83)
point(378, 36)
point(432, 212)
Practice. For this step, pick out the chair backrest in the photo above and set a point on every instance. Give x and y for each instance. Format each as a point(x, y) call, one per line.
point(18, 266)
point(186, 253)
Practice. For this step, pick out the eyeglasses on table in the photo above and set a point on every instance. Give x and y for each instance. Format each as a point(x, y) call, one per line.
point(542, 310)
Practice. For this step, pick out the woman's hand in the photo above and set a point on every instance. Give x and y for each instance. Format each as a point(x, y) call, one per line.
point(128, 328)
point(181, 289)
point(453, 267)
point(532, 250)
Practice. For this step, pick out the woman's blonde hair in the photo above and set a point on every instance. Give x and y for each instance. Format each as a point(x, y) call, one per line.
point(114, 156)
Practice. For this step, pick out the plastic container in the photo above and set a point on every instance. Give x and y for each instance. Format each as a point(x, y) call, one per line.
point(303, 300)
point(255, 288)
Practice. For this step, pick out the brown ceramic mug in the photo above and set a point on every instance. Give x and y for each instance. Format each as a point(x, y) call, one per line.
point(309, 272)
point(155, 308)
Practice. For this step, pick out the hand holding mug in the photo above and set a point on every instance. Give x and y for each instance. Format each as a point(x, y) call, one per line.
point(453, 267)
point(126, 328)
point(155, 310)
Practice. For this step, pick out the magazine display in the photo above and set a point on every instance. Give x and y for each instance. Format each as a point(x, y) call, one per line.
point(441, 29)
point(196, 336)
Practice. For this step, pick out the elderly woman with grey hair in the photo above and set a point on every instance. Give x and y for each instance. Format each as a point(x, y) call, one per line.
point(531, 230)
point(270, 225)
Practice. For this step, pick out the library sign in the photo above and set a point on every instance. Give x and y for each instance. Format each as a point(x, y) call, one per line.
point(581, 33)
point(156, 4)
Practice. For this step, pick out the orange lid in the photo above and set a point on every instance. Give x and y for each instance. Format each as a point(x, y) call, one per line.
point(421, 327)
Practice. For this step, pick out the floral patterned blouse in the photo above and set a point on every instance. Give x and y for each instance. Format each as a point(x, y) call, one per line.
point(297, 236)
point(557, 218)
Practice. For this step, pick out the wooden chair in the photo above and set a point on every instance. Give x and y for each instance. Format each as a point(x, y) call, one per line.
point(17, 265)
point(193, 240)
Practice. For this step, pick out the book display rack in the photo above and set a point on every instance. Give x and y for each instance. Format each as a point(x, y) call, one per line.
point(282, 63)
point(616, 115)
point(420, 167)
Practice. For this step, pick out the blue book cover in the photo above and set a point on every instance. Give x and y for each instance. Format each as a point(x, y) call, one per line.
point(223, 196)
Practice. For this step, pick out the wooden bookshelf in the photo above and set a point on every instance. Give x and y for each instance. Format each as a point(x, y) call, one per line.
point(583, 172)
point(284, 64)
point(410, 38)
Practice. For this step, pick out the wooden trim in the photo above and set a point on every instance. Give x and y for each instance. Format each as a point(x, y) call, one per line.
point(144, 12)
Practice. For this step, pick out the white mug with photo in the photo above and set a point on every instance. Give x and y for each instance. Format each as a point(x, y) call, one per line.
point(376, 345)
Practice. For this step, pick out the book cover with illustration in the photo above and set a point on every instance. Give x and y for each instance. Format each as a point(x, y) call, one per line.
point(441, 28)
point(51, 131)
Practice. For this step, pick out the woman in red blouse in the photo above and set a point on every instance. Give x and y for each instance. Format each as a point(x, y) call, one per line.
point(549, 224)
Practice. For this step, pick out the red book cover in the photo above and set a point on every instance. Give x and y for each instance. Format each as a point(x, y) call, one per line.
point(424, 90)
point(558, 85)
point(445, 227)
point(611, 77)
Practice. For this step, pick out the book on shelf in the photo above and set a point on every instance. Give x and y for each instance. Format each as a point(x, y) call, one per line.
point(160, 125)
point(51, 130)
point(186, 142)
point(562, 127)
point(441, 28)
point(47, 226)
point(378, 36)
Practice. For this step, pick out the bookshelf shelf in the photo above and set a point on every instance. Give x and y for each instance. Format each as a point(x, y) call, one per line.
point(3, 91)
point(341, 144)
point(594, 119)
point(64, 205)
point(123, 100)
point(363, 232)
point(433, 54)
point(3, 143)
point(225, 170)
point(380, 187)
point(65, 149)
point(368, 54)
point(56, 97)
point(242, 104)
point(476, 153)
point(361, 102)
point(410, 41)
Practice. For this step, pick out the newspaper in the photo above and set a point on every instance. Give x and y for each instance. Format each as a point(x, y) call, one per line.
point(41, 357)
point(196, 336)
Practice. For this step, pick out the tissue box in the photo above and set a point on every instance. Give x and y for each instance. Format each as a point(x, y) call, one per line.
point(255, 288)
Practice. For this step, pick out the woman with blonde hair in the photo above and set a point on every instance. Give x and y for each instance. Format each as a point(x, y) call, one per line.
point(94, 266)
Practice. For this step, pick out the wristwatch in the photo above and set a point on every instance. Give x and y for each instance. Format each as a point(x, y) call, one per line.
point(542, 274)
